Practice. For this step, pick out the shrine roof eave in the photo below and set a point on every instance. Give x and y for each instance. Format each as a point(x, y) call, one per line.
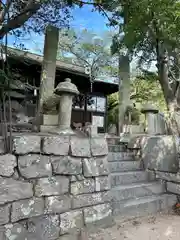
point(32, 58)
point(24, 56)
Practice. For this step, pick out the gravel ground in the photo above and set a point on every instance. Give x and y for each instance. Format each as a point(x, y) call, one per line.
point(158, 227)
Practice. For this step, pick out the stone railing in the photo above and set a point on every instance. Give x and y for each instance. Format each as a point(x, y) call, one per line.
point(51, 187)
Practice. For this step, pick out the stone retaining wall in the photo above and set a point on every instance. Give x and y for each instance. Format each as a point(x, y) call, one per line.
point(160, 155)
point(53, 186)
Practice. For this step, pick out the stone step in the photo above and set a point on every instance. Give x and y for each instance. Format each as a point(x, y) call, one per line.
point(124, 166)
point(120, 156)
point(143, 206)
point(132, 191)
point(116, 148)
point(130, 177)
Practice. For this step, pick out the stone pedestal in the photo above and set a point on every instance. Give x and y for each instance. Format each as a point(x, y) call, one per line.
point(49, 122)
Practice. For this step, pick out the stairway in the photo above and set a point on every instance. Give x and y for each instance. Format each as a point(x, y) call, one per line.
point(135, 192)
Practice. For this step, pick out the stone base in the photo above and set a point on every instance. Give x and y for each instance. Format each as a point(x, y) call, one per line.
point(46, 128)
point(50, 120)
point(59, 131)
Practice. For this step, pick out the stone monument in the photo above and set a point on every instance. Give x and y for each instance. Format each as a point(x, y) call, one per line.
point(150, 114)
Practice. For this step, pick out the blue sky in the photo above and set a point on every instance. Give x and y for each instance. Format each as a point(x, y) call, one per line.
point(82, 18)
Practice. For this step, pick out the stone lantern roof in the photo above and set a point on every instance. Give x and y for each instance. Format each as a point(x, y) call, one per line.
point(66, 87)
point(148, 108)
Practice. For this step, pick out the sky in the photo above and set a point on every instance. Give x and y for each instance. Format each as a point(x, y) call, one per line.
point(82, 18)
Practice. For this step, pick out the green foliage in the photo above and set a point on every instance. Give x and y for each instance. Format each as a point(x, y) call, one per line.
point(144, 88)
point(145, 21)
point(147, 89)
point(85, 48)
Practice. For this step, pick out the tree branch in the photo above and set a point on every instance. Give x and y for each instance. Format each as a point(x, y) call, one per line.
point(5, 10)
point(16, 22)
point(76, 54)
point(94, 4)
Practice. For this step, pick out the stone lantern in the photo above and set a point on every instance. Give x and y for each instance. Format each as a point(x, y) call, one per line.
point(66, 90)
point(150, 112)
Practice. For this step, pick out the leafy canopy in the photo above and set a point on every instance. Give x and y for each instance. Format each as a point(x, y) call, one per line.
point(145, 88)
point(145, 21)
point(88, 49)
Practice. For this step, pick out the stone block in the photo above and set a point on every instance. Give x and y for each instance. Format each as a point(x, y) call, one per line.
point(84, 200)
point(44, 228)
point(26, 144)
point(78, 177)
point(131, 191)
point(173, 187)
point(51, 186)
point(66, 165)
point(99, 146)
point(12, 190)
point(117, 147)
point(57, 204)
point(102, 183)
point(120, 156)
point(174, 177)
point(69, 237)
point(16, 174)
point(80, 147)
point(46, 128)
point(5, 214)
point(122, 166)
point(51, 120)
point(160, 153)
point(56, 145)
point(85, 186)
point(71, 221)
point(15, 231)
point(27, 208)
point(34, 166)
point(7, 164)
point(97, 213)
point(2, 233)
point(2, 146)
point(93, 167)
point(122, 178)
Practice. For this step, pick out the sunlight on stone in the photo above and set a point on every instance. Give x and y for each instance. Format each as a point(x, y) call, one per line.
point(51, 200)
point(168, 231)
point(48, 166)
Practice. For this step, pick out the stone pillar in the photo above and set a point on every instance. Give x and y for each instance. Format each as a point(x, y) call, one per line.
point(151, 117)
point(66, 90)
point(124, 89)
point(49, 65)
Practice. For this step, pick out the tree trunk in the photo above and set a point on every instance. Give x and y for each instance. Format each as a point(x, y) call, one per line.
point(171, 92)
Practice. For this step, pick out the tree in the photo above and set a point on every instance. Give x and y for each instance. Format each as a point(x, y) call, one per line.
point(85, 48)
point(153, 32)
point(144, 89)
point(32, 15)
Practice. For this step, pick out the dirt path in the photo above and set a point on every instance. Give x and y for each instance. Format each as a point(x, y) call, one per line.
point(159, 227)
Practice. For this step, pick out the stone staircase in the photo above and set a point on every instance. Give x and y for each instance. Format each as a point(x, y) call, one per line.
point(135, 192)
